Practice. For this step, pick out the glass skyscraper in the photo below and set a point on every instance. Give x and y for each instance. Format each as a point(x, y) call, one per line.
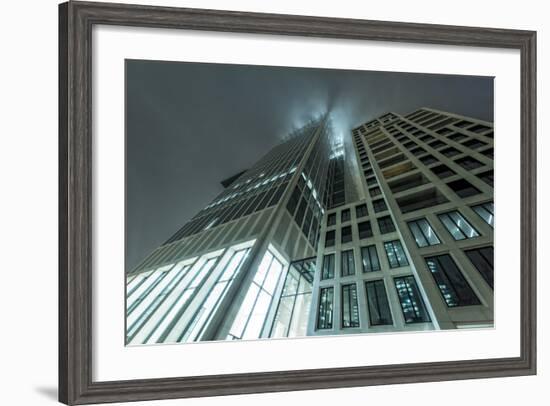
point(391, 231)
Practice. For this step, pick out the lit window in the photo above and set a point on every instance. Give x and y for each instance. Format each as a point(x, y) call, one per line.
point(487, 212)
point(414, 310)
point(350, 307)
point(396, 255)
point(451, 282)
point(326, 301)
point(458, 226)
point(250, 319)
point(423, 233)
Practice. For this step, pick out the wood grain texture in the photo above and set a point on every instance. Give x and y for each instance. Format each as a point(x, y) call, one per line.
point(76, 20)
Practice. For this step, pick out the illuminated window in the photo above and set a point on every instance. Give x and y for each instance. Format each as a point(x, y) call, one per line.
point(250, 319)
point(451, 282)
point(396, 255)
point(423, 233)
point(458, 226)
point(412, 305)
point(487, 212)
point(350, 308)
point(326, 302)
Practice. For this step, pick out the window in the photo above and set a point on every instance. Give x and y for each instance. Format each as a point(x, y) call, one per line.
point(369, 256)
point(451, 282)
point(457, 137)
point(293, 201)
point(482, 259)
point(331, 219)
point(377, 301)
point(330, 238)
point(458, 226)
point(412, 304)
point(474, 143)
point(252, 314)
point(365, 229)
point(463, 188)
point(326, 300)
point(350, 308)
point(443, 171)
point(437, 144)
point(449, 152)
point(328, 267)
point(487, 177)
point(396, 255)
point(375, 191)
point(345, 216)
point(385, 224)
point(407, 182)
point(379, 205)
point(293, 309)
point(371, 181)
point(487, 212)
point(361, 210)
point(346, 234)
point(469, 163)
point(348, 264)
point(417, 151)
point(423, 233)
point(428, 159)
point(420, 200)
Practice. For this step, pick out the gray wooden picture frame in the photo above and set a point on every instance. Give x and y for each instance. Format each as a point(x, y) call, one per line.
point(76, 20)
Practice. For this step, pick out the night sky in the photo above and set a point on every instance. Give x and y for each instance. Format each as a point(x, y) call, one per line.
point(191, 125)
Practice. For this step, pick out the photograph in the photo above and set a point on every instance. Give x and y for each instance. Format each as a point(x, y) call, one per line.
point(282, 202)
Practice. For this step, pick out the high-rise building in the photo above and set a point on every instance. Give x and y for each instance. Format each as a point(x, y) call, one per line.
point(394, 235)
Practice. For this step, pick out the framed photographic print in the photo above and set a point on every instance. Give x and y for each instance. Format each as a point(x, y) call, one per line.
point(257, 202)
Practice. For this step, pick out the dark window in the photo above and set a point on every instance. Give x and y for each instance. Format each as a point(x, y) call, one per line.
point(330, 238)
point(449, 152)
point(489, 153)
point(463, 188)
point(469, 163)
point(426, 138)
point(326, 303)
point(371, 181)
point(428, 159)
point(474, 143)
point(365, 229)
point(479, 128)
point(482, 259)
point(487, 177)
point(437, 144)
point(457, 137)
point(458, 226)
point(443, 171)
point(346, 234)
point(345, 216)
point(420, 200)
point(370, 262)
point(451, 282)
point(385, 224)
point(328, 267)
point(407, 182)
point(331, 219)
point(412, 304)
point(293, 201)
point(377, 300)
point(301, 211)
point(348, 264)
point(418, 151)
point(379, 205)
point(396, 255)
point(361, 210)
point(350, 308)
point(375, 191)
point(423, 233)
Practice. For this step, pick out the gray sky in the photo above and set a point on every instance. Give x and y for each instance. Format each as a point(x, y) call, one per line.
point(191, 125)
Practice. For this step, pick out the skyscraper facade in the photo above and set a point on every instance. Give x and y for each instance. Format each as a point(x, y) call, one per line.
point(394, 236)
